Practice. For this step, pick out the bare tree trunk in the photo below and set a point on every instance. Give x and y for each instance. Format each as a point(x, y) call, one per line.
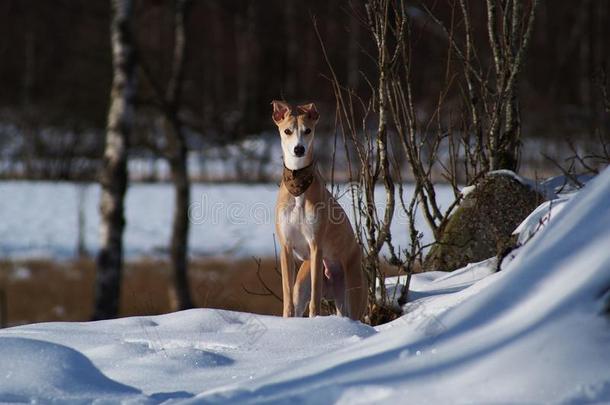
point(3, 309)
point(180, 228)
point(245, 40)
point(177, 154)
point(217, 67)
point(292, 48)
point(81, 193)
point(113, 178)
point(29, 74)
point(509, 59)
point(353, 54)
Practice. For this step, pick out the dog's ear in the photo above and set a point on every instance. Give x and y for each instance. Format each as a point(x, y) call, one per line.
point(309, 110)
point(280, 111)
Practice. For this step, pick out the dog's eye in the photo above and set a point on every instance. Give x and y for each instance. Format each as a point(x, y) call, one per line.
point(287, 131)
point(307, 131)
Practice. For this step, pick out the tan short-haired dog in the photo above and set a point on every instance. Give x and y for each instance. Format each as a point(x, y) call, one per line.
point(312, 227)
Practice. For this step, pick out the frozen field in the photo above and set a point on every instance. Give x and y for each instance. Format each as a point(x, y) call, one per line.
point(535, 333)
point(41, 219)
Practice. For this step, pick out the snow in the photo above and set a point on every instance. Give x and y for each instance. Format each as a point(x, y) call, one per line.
point(563, 185)
point(536, 332)
point(513, 175)
point(467, 190)
point(166, 356)
point(41, 219)
point(508, 173)
point(539, 218)
point(434, 283)
point(36, 369)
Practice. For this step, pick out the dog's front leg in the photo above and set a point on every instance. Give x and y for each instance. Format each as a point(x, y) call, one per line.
point(317, 272)
point(287, 264)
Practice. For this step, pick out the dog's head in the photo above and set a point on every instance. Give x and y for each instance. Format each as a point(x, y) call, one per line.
point(296, 132)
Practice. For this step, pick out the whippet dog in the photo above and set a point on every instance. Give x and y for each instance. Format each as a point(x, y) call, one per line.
point(312, 227)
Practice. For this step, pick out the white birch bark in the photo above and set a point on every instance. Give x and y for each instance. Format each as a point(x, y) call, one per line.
point(113, 177)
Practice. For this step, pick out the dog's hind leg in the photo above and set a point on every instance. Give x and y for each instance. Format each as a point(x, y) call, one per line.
point(335, 286)
point(302, 289)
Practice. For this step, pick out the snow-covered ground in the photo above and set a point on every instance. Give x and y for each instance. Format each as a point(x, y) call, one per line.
point(536, 332)
point(41, 218)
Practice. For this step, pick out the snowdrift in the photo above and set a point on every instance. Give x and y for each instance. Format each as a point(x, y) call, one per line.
point(536, 332)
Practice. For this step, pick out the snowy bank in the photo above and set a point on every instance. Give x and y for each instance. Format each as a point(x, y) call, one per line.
point(536, 332)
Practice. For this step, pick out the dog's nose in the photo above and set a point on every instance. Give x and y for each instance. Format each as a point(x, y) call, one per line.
point(299, 150)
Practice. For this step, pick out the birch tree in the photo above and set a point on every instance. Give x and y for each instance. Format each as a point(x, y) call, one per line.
point(113, 176)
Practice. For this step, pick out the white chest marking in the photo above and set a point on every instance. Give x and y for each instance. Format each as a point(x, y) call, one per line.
point(298, 227)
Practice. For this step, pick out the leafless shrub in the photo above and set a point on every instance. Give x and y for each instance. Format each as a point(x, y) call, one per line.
point(588, 161)
point(386, 132)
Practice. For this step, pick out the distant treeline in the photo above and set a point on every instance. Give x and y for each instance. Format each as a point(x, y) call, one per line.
point(55, 70)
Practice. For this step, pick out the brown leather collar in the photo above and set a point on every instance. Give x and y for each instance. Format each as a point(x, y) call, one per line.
point(298, 181)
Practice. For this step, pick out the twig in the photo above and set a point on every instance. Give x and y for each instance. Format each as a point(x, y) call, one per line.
point(565, 172)
point(268, 290)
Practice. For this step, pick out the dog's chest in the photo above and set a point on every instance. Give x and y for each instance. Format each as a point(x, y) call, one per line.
point(298, 225)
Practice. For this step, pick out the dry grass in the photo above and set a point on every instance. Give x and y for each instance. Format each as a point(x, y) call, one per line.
point(42, 290)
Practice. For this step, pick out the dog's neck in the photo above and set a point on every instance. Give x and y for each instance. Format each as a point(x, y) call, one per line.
point(296, 163)
point(298, 181)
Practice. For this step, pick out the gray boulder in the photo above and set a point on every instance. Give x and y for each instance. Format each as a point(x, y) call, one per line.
point(481, 227)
